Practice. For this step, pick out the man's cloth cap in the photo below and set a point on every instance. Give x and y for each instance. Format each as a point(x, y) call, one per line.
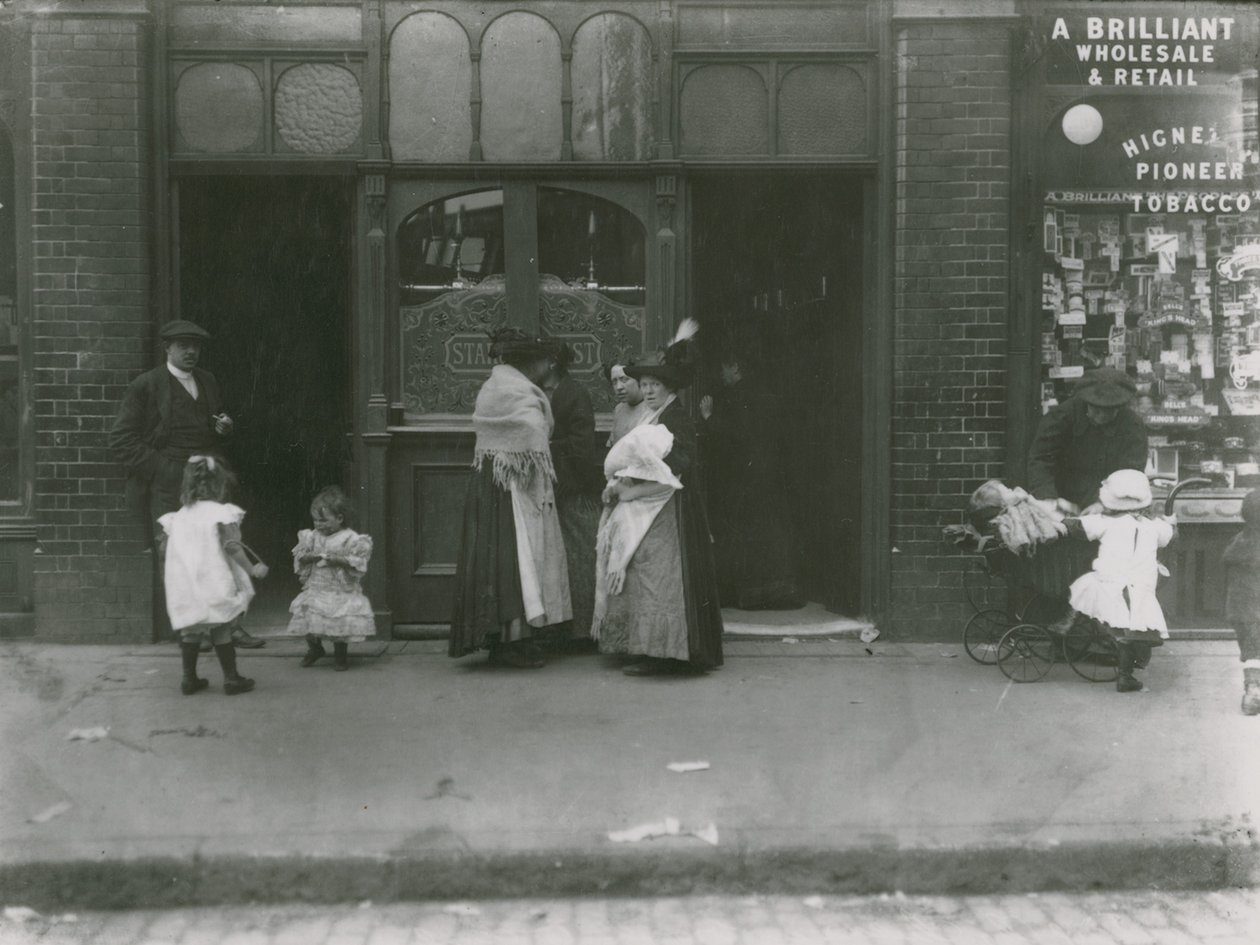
point(181, 329)
point(1106, 387)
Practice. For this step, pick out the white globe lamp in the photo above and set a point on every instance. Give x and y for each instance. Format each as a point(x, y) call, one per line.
point(1082, 124)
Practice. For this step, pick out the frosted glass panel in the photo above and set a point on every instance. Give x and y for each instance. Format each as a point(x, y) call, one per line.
point(822, 110)
point(520, 90)
point(430, 85)
point(725, 111)
point(612, 90)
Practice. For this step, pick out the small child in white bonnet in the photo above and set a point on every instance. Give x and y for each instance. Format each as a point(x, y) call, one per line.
point(1119, 592)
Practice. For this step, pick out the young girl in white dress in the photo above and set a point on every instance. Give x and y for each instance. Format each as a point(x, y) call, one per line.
point(331, 561)
point(207, 572)
point(1120, 590)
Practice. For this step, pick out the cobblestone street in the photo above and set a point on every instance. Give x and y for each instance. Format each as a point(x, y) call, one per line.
point(1122, 918)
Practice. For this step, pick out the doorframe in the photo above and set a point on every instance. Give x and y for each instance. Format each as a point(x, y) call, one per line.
point(647, 194)
point(874, 542)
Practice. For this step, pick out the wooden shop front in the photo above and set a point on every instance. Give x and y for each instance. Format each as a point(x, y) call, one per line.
point(591, 172)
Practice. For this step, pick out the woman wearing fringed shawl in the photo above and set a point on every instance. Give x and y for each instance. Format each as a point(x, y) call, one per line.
point(511, 577)
point(657, 592)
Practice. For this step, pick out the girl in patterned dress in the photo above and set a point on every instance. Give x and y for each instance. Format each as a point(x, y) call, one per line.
point(331, 561)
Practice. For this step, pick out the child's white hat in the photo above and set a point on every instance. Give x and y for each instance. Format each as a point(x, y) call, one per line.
point(1125, 490)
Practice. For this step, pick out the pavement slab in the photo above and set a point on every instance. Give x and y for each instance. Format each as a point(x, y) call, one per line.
point(834, 766)
point(899, 919)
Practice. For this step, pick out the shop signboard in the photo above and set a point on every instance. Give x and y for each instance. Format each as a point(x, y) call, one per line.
point(446, 341)
point(1152, 151)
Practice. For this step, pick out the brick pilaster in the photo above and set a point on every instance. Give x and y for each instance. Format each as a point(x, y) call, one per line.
point(952, 138)
point(91, 322)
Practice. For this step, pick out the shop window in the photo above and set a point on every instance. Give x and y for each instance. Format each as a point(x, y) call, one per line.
point(565, 264)
point(1155, 270)
point(453, 293)
point(591, 283)
point(10, 380)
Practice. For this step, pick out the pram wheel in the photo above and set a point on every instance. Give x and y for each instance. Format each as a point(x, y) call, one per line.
point(1091, 652)
point(1026, 652)
point(982, 633)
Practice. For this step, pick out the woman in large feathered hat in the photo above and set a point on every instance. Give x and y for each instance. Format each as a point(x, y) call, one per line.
point(663, 610)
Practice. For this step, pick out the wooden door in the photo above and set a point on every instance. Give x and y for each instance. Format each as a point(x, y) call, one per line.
point(568, 261)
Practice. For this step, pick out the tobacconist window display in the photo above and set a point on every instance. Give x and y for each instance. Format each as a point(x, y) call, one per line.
point(1165, 298)
point(1151, 225)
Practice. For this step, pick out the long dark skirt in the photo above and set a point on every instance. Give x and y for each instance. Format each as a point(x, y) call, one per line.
point(704, 610)
point(579, 521)
point(487, 576)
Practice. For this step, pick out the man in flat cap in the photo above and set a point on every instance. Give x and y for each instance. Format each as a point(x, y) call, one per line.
point(168, 414)
point(1085, 439)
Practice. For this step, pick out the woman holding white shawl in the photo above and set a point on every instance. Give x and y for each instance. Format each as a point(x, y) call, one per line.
point(656, 590)
point(511, 575)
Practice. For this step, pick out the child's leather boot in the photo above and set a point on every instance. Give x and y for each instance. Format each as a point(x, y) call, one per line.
point(314, 651)
point(191, 682)
point(1125, 680)
point(233, 682)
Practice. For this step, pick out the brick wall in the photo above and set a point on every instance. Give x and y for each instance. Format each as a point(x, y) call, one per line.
point(91, 318)
point(952, 142)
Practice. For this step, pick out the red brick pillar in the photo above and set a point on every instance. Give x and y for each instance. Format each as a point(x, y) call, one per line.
point(91, 316)
point(952, 137)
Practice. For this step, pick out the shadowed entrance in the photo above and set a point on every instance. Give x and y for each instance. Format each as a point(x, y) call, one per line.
point(264, 265)
point(777, 262)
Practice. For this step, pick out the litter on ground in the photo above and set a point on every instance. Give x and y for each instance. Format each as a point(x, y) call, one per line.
point(669, 827)
point(88, 734)
point(682, 767)
point(48, 813)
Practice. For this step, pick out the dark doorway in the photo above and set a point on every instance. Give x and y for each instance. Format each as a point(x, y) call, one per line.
point(777, 263)
point(265, 267)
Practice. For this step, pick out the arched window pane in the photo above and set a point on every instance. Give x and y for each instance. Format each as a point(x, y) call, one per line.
point(452, 290)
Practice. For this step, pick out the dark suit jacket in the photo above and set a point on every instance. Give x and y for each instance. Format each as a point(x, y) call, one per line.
point(1071, 456)
point(573, 443)
point(140, 430)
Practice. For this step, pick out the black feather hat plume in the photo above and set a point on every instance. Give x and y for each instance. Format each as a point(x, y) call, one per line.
point(675, 364)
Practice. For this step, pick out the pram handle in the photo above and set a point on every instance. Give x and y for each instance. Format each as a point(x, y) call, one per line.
point(1178, 487)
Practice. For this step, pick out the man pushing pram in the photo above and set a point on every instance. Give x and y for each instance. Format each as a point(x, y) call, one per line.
point(1078, 445)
